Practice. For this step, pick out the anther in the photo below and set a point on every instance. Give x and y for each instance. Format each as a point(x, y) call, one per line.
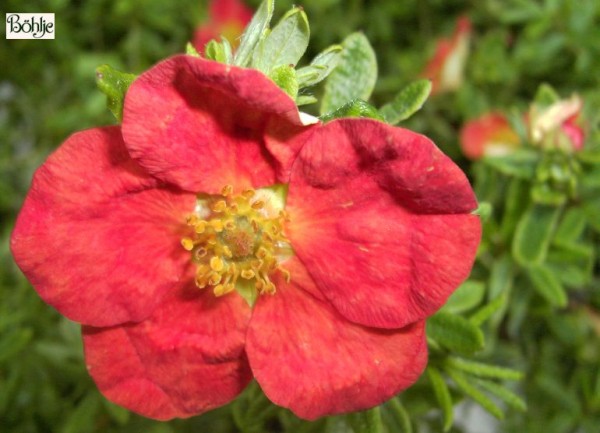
point(227, 190)
point(258, 204)
point(216, 264)
point(200, 226)
point(248, 193)
point(248, 274)
point(188, 244)
point(219, 206)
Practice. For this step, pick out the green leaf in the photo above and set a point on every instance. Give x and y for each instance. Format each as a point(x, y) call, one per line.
point(78, 421)
point(12, 343)
point(501, 277)
point(482, 370)
point(355, 75)
point(571, 227)
point(400, 416)
point(190, 50)
point(305, 99)
point(285, 77)
point(320, 68)
point(467, 296)
point(355, 108)
point(254, 33)
point(533, 234)
point(407, 102)
point(455, 333)
point(114, 85)
point(521, 163)
point(219, 51)
point(544, 194)
point(545, 95)
point(465, 386)
point(285, 44)
point(546, 283)
point(368, 421)
point(503, 393)
point(487, 311)
point(517, 198)
point(442, 394)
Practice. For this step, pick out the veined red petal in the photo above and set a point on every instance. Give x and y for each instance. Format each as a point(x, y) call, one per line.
point(97, 237)
point(310, 359)
point(186, 359)
point(381, 219)
point(200, 124)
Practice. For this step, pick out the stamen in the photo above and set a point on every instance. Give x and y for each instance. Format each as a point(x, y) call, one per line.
point(235, 237)
point(188, 244)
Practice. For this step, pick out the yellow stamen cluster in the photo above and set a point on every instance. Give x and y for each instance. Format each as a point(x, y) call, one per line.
point(238, 240)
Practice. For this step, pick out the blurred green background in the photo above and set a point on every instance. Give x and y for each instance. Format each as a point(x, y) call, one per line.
point(48, 91)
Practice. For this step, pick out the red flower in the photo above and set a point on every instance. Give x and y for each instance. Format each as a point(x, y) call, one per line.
point(132, 231)
point(488, 135)
point(446, 67)
point(226, 18)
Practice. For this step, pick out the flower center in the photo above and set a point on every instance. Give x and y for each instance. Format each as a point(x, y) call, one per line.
point(238, 241)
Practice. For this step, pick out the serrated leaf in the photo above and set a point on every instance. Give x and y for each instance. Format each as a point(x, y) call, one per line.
point(503, 393)
point(355, 75)
point(547, 285)
point(320, 68)
point(521, 163)
point(468, 295)
point(285, 78)
point(407, 102)
point(483, 370)
point(469, 389)
point(285, 44)
point(114, 85)
point(455, 333)
point(190, 50)
point(533, 234)
point(256, 30)
point(442, 394)
point(355, 108)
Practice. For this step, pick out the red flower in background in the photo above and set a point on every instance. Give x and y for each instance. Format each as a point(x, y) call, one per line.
point(148, 234)
point(558, 125)
point(446, 67)
point(488, 135)
point(226, 18)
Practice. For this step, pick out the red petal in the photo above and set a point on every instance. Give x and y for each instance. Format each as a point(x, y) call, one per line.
point(96, 237)
point(381, 220)
point(225, 11)
point(308, 358)
point(489, 134)
point(184, 360)
point(201, 124)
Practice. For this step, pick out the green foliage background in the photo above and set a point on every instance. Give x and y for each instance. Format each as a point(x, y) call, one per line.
point(48, 91)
